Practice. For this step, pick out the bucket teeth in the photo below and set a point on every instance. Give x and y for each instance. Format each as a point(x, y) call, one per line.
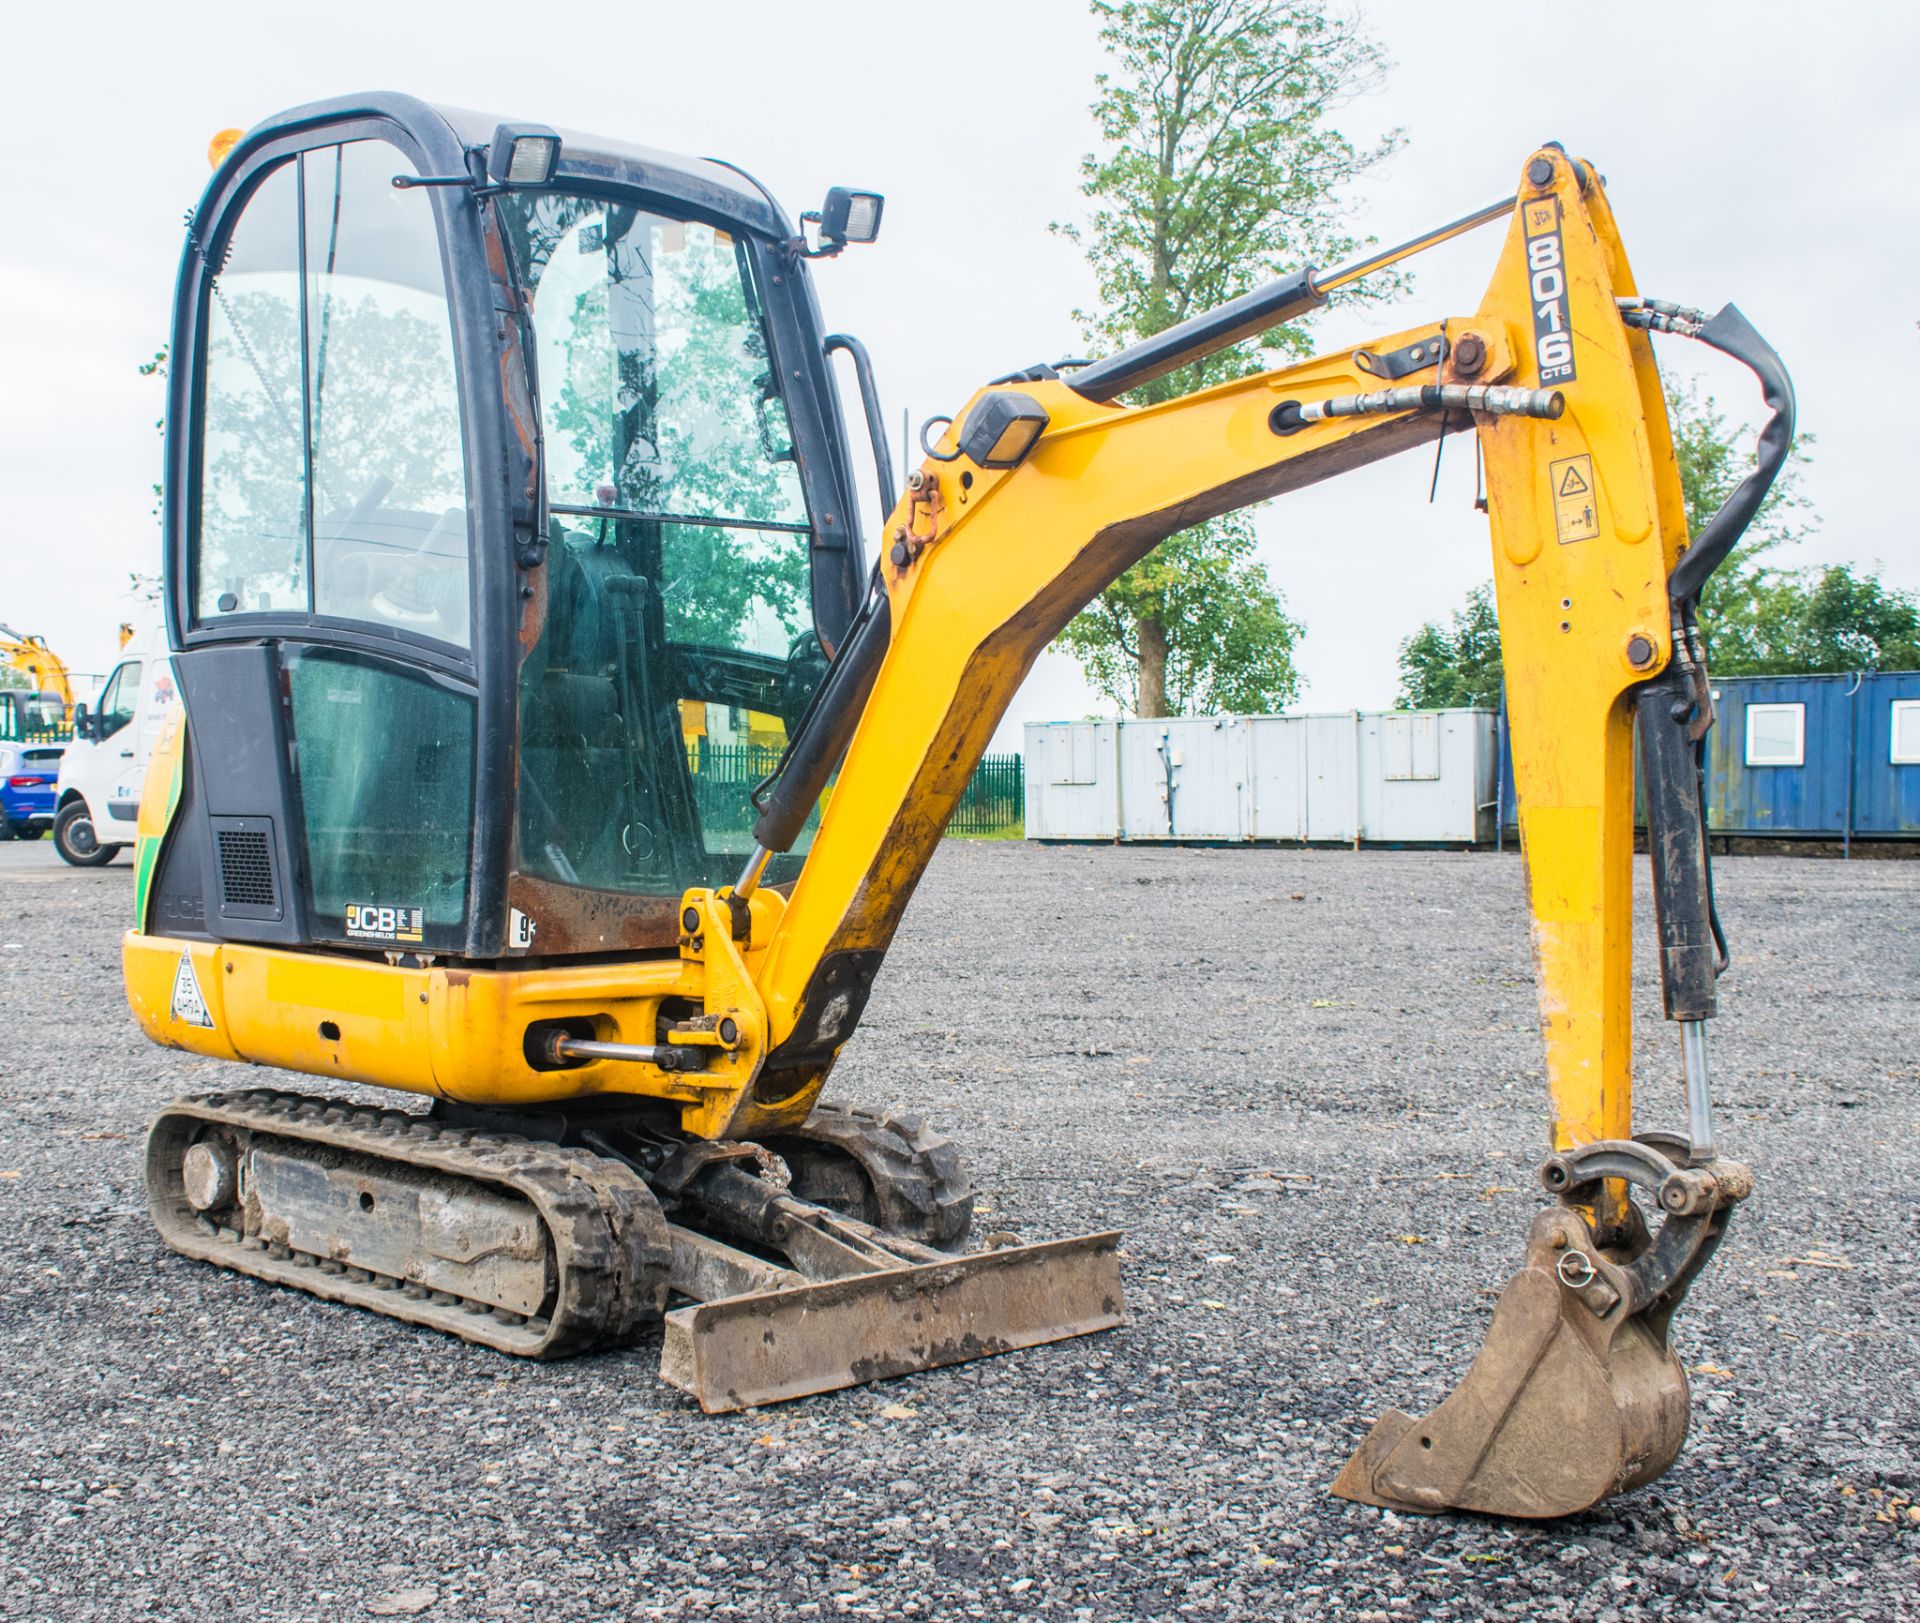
point(1564, 1405)
point(1575, 1394)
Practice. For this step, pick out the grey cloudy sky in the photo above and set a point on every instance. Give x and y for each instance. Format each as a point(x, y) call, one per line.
point(1752, 154)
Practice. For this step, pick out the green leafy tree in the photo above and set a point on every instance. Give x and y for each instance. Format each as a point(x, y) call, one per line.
point(1759, 618)
point(1443, 666)
point(1714, 455)
point(1832, 619)
point(1234, 646)
point(157, 368)
point(1219, 167)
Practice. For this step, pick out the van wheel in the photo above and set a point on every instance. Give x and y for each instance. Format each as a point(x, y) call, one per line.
point(75, 840)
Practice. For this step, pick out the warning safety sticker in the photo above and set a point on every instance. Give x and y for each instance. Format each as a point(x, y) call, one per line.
point(1576, 509)
point(189, 1007)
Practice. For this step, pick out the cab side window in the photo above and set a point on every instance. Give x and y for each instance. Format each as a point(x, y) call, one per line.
point(332, 479)
point(117, 699)
point(253, 499)
point(389, 492)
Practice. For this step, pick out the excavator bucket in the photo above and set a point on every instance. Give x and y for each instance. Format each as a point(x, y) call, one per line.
point(1575, 1394)
point(787, 1342)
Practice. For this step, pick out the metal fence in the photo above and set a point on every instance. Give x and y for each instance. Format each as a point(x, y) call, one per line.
point(723, 779)
point(996, 798)
point(724, 776)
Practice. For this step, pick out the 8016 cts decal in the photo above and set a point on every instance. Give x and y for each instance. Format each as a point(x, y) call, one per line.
point(1547, 273)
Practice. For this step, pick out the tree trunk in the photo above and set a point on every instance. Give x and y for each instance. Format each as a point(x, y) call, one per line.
point(1151, 697)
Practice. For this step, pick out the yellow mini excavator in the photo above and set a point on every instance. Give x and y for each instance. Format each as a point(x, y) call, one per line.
point(493, 457)
point(47, 704)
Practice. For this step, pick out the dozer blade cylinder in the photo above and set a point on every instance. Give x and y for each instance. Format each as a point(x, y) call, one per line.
point(773, 1345)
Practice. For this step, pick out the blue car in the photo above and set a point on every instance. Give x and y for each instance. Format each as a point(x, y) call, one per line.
point(27, 776)
point(33, 735)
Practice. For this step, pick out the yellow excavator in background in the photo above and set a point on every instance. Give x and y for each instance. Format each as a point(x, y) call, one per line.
point(493, 458)
point(45, 671)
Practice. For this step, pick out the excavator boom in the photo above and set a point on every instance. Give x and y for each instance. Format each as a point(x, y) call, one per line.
point(584, 941)
point(44, 670)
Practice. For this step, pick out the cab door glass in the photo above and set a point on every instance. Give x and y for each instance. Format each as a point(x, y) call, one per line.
point(118, 699)
point(332, 478)
point(384, 760)
point(253, 504)
point(677, 648)
point(389, 489)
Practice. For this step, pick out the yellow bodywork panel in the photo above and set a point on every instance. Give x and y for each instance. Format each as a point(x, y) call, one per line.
point(456, 1033)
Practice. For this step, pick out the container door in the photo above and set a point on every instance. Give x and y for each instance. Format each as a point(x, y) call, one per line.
point(1332, 777)
point(1277, 764)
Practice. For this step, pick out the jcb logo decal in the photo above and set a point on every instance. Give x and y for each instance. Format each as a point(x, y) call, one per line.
point(377, 923)
point(1547, 278)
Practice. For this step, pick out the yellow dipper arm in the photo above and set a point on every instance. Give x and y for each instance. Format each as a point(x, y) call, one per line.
point(1586, 520)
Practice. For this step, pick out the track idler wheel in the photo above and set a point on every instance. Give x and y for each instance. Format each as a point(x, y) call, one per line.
point(1575, 1394)
point(884, 1168)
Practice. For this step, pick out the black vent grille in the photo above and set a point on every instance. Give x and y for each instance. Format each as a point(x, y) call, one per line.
point(246, 867)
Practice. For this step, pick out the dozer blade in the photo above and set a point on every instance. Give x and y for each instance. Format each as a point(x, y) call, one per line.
point(1575, 1394)
point(772, 1345)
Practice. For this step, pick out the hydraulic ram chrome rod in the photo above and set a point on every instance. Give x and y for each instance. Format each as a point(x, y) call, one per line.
point(1287, 299)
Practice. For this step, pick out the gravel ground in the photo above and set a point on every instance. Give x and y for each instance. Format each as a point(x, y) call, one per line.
point(1126, 1037)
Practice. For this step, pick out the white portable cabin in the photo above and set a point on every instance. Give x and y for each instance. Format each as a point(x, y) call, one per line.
point(1352, 777)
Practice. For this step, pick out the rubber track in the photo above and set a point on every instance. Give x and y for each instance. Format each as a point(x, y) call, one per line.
point(917, 1174)
point(611, 1248)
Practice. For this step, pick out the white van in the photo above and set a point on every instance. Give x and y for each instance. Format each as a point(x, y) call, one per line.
point(97, 799)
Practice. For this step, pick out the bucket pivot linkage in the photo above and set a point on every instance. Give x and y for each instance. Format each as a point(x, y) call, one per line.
point(1576, 1393)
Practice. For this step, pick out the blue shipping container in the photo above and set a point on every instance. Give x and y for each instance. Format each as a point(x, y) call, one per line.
point(1805, 757)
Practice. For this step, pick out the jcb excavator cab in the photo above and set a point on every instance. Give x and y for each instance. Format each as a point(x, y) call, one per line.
point(510, 535)
point(510, 528)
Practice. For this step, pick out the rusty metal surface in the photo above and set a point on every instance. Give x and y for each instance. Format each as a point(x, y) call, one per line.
point(1575, 1394)
point(707, 1269)
point(576, 919)
point(766, 1348)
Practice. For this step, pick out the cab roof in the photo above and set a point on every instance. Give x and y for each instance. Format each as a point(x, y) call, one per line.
point(703, 184)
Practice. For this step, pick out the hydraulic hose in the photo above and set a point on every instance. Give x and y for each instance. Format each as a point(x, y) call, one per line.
point(825, 730)
point(1732, 334)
